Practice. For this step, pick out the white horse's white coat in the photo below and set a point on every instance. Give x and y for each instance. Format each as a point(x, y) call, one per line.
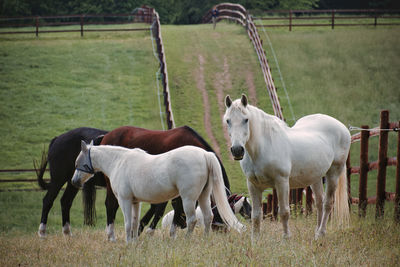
point(274, 155)
point(137, 176)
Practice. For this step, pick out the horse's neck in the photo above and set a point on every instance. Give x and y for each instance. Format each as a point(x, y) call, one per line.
point(266, 128)
point(104, 158)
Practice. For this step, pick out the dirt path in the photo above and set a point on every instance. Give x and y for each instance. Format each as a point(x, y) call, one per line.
point(251, 88)
point(201, 85)
point(223, 81)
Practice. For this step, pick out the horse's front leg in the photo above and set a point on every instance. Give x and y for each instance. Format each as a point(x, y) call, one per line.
point(256, 212)
point(135, 220)
point(282, 190)
point(126, 207)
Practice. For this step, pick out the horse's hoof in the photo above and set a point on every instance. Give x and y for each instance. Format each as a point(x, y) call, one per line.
point(287, 235)
point(42, 230)
point(67, 230)
point(150, 231)
point(319, 235)
point(111, 239)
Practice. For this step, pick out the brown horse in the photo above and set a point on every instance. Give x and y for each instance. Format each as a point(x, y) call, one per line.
point(153, 142)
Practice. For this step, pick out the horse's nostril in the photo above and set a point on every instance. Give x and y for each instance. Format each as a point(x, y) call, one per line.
point(237, 151)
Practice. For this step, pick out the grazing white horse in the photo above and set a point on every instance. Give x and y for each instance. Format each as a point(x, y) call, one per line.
point(137, 176)
point(273, 155)
point(239, 204)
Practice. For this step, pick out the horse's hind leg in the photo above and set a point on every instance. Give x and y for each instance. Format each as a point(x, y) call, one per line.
point(160, 209)
point(332, 178)
point(135, 220)
point(48, 201)
point(189, 206)
point(205, 206)
point(111, 209)
point(147, 217)
point(66, 203)
point(318, 191)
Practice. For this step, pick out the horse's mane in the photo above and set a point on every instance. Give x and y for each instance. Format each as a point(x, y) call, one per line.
point(270, 123)
point(198, 137)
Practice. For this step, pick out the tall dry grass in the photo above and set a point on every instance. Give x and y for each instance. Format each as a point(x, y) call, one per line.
point(365, 243)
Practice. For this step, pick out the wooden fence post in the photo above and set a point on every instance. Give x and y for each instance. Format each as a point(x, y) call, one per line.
point(309, 200)
point(81, 25)
point(274, 204)
point(290, 20)
point(382, 163)
point(364, 168)
point(333, 19)
point(37, 26)
point(397, 196)
point(348, 171)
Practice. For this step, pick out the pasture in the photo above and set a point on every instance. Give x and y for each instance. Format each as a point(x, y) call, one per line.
point(61, 81)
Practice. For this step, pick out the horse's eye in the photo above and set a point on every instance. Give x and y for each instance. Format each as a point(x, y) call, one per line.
point(246, 120)
point(228, 121)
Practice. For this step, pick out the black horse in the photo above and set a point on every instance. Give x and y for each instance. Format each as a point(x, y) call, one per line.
point(61, 156)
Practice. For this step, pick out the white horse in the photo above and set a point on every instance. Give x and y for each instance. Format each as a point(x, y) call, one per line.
point(273, 155)
point(137, 176)
point(238, 203)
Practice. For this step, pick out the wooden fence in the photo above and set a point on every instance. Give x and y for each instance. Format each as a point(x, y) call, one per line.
point(41, 24)
point(330, 18)
point(146, 13)
point(381, 164)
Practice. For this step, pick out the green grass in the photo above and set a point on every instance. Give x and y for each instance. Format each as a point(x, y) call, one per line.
point(57, 82)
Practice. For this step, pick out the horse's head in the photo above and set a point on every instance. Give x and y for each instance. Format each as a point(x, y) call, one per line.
point(83, 165)
point(241, 205)
point(245, 210)
point(236, 119)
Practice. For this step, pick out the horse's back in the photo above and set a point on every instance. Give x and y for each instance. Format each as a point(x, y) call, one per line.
point(325, 127)
point(64, 148)
point(323, 136)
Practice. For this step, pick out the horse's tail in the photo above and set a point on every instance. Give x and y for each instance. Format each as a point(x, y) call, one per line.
point(89, 200)
point(341, 212)
point(89, 194)
point(41, 169)
point(219, 193)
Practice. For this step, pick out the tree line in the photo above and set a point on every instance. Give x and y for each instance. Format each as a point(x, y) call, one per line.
point(173, 11)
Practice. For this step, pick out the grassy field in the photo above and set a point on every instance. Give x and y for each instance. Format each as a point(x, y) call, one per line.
point(58, 82)
point(365, 243)
point(61, 81)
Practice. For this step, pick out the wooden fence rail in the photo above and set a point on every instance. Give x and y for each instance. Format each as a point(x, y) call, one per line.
point(141, 16)
point(156, 32)
point(352, 17)
point(380, 165)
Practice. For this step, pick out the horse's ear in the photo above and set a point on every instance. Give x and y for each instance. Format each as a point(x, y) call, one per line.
point(228, 101)
point(83, 146)
point(244, 100)
point(91, 143)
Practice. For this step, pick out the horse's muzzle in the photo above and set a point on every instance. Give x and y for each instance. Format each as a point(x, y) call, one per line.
point(76, 182)
point(237, 152)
